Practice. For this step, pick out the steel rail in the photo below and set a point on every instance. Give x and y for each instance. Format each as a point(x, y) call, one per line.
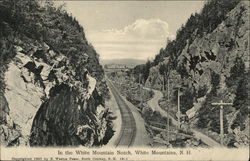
point(128, 127)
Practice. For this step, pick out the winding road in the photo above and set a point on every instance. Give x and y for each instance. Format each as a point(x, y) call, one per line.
point(153, 103)
point(132, 129)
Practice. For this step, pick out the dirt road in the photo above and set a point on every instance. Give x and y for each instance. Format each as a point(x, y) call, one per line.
point(153, 103)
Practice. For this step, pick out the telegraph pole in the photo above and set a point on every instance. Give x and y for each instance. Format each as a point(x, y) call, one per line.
point(168, 112)
point(140, 80)
point(168, 128)
point(164, 88)
point(178, 87)
point(179, 111)
point(221, 104)
point(168, 95)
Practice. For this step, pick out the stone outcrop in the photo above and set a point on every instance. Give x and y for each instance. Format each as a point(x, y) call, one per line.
point(217, 52)
point(206, 72)
point(9, 131)
point(43, 103)
point(214, 52)
point(60, 122)
point(44, 53)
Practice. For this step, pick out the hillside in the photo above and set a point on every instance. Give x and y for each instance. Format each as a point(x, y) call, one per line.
point(46, 98)
point(209, 61)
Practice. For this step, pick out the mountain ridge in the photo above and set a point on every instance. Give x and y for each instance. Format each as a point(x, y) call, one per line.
point(128, 61)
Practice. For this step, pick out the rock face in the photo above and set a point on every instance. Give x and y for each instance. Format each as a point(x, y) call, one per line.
point(23, 92)
point(62, 121)
point(217, 66)
point(44, 55)
point(43, 104)
point(217, 52)
point(155, 80)
point(197, 105)
point(9, 131)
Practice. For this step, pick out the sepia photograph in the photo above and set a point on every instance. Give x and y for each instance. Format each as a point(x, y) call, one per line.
point(149, 77)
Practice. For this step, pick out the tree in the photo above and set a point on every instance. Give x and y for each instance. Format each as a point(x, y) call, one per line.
point(146, 69)
point(163, 70)
point(237, 72)
point(241, 102)
point(212, 14)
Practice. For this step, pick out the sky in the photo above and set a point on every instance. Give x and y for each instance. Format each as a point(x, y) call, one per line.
point(131, 29)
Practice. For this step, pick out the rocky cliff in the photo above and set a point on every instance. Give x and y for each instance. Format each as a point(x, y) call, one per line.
point(217, 53)
point(46, 100)
point(213, 66)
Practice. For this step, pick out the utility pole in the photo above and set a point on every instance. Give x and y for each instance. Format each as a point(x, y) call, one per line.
point(140, 90)
point(168, 128)
point(168, 97)
point(179, 111)
point(178, 87)
point(142, 93)
point(164, 88)
point(168, 113)
point(221, 104)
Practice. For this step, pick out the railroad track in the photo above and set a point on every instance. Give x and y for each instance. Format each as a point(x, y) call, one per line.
point(128, 127)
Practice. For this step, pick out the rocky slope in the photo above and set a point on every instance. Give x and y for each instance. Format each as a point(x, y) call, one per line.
point(218, 52)
point(45, 98)
point(213, 67)
point(42, 101)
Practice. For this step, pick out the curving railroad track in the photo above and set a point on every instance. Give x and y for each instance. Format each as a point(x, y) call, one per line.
point(128, 127)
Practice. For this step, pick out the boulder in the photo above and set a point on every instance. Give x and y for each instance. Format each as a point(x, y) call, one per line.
point(64, 123)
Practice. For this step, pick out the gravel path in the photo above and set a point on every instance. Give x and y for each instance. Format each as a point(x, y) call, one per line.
point(153, 103)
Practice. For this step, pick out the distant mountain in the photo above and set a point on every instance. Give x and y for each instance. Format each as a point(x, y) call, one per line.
point(127, 62)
